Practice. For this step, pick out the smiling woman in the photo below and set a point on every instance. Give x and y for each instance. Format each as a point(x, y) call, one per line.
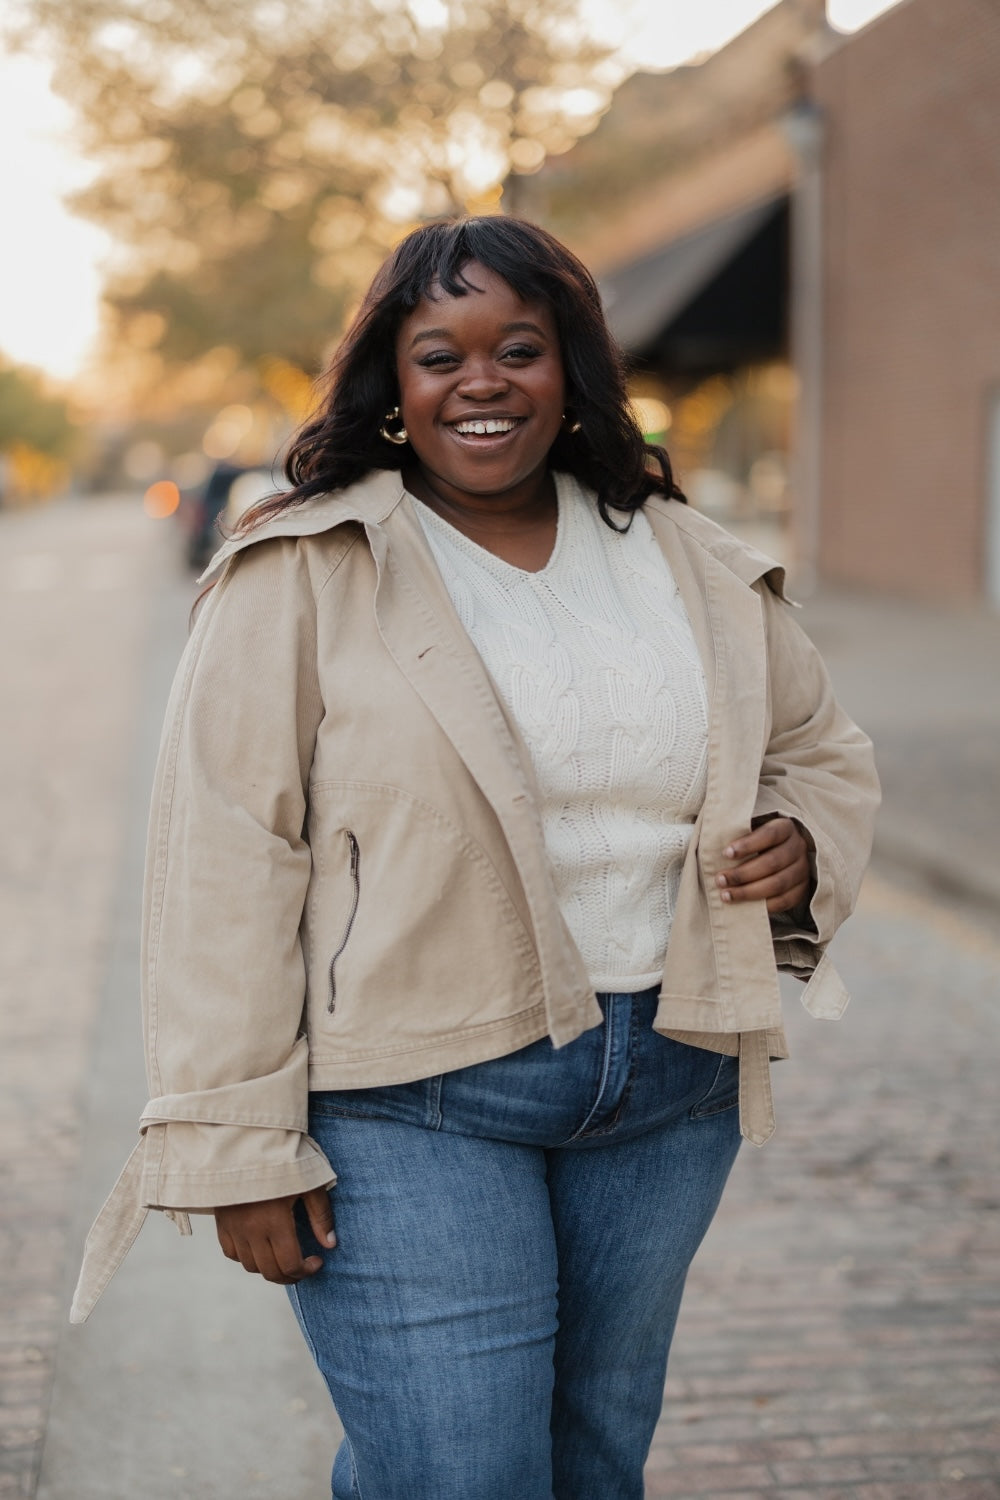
point(460, 316)
point(468, 891)
point(482, 397)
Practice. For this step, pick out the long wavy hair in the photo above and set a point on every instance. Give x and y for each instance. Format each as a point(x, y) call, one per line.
point(343, 442)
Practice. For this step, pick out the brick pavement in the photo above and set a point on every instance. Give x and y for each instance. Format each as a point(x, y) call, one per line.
point(72, 613)
point(840, 1339)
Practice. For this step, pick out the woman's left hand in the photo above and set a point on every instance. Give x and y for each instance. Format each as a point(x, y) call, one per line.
point(771, 864)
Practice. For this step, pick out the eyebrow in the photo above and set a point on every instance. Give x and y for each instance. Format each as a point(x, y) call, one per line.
point(446, 333)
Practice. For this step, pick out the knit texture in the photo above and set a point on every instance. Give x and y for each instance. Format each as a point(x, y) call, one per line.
point(596, 661)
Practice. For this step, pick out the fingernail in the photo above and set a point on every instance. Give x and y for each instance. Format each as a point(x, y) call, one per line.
point(331, 1240)
point(720, 879)
point(727, 895)
point(730, 852)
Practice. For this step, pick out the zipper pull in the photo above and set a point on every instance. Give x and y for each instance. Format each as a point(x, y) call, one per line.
point(355, 849)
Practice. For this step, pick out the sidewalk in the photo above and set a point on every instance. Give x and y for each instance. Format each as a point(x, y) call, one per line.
point(925, 684)
point(162, 1394)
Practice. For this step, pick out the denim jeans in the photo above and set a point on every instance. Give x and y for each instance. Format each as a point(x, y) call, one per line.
point(513, 1242)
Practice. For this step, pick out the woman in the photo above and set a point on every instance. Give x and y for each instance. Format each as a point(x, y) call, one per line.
point(496, 786)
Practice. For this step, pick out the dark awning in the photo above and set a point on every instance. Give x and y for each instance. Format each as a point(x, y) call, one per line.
point(642, 299)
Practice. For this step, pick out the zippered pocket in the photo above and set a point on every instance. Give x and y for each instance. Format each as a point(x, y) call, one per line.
point(356, 880)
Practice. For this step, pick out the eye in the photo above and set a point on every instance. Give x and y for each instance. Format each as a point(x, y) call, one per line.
point(438, 358)
point(521, 353)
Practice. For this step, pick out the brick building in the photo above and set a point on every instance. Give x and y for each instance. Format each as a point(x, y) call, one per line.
point(910, 454)
point(799, 244)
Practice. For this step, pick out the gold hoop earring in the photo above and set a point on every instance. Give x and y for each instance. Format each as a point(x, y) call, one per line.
point(571, 426)
point(399, 436)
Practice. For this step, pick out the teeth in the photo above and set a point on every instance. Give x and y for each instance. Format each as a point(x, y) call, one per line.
point(484, 429)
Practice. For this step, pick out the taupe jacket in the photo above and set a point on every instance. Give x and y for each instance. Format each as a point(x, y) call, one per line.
point(346, 880)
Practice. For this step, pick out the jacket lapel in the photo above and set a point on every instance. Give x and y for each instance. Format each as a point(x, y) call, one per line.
point(421, 630)
point(419, 626)
point(728, 625)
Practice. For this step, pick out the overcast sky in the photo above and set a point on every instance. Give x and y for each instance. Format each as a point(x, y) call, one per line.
point(50, 261)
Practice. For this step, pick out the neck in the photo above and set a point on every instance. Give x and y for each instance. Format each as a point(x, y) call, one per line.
point(518, 527)
point(528, 507)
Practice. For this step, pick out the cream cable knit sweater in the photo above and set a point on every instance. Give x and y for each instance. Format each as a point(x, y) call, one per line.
point(595, 658)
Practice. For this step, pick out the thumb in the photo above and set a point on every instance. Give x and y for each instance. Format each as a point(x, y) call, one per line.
point(320, 1210)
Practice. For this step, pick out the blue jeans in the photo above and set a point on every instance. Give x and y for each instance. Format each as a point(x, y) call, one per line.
point(513, 1243)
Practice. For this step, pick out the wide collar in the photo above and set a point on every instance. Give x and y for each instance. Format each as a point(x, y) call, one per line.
point(731, 553)
point(370, 501)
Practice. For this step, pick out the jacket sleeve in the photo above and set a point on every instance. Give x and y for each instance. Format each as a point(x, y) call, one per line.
point(818, 768)
point(228, 867)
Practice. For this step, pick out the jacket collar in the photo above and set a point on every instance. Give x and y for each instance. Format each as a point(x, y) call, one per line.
point(370, 501)
point(373, 499)
point(738, 557)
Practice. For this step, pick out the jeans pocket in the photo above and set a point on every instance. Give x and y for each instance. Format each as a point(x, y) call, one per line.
point(414, 1103)
point(724, 1091)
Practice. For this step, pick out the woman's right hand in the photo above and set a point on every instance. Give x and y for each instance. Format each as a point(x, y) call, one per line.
point(263, 1238)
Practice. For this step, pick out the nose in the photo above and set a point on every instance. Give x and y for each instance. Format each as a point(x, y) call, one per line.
point(482, 380)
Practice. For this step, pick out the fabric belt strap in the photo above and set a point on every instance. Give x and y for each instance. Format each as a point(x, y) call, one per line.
point(113, 1234)
point(756, 1099)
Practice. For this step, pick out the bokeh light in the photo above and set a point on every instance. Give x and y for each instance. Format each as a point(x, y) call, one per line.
point(161, 499)
point(653, 416)
point(227, 431)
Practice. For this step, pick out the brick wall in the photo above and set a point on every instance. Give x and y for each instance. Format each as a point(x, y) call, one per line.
point(912, 296)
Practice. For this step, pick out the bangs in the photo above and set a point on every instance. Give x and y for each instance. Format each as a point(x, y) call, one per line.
point(520, 256)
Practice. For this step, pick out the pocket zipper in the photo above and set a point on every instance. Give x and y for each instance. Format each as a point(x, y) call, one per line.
point(356, 878)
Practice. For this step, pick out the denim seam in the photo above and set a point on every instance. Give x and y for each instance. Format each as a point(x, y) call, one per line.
point(431, 1119)
point(293, 1296)
point(581, 1130)
point(355, 1481)
point(435, 1116)
point(345, 1112)
point(703, 1110)
point(612, 1125)
point(715, 1109)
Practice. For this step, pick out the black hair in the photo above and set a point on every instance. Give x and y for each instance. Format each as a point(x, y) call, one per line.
point(343, 442)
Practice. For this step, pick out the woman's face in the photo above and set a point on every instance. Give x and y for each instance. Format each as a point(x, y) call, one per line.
point(481, 391)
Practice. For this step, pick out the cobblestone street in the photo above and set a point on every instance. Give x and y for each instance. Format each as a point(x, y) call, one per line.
point(841, 1332)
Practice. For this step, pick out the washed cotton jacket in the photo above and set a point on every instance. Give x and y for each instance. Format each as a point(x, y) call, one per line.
point(346, 879)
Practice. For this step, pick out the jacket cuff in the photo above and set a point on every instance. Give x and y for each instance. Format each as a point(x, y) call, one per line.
point(292, 1166)
point(192, 1166)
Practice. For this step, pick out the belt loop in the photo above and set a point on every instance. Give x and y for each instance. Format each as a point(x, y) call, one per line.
point(756, 1100)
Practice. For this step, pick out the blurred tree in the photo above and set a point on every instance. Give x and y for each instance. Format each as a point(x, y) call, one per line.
point(258, 157)
point(37, 436)
point(30, 416)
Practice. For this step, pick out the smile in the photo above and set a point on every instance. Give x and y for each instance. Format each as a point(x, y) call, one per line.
point(487, 427)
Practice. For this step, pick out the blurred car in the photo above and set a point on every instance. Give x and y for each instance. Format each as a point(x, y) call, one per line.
point(217, 506)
